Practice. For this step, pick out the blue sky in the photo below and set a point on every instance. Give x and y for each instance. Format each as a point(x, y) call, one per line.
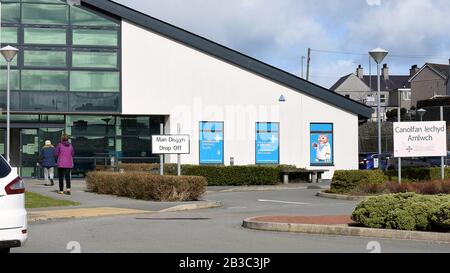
point(279, 32)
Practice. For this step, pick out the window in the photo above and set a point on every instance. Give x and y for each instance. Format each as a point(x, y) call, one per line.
point(44, 80)
point(8, 35)
point(94, 37)
point(81, 17)
point(10, 13)
point(406, 95)
point(94, 59)
point(321, 144)
point(44, 101)
point(45, 58)
point(94, 81)
point(211, 142)
point(14, 79)
point(45, 1)
point(267, 143)
point(45, 14)
point(94, 102)
point(52, 36)
point(382, 98)
point(14, 103)
point(91, 135)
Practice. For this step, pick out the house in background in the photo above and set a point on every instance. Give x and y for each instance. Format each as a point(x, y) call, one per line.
point(363, 88)
point(430, 81)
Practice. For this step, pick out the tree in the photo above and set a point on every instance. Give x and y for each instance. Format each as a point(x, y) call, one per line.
point(392, 114)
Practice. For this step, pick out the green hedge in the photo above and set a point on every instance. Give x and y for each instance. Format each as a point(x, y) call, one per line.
point(440, 218)
point(404, 211)
point(146, 186)
point(219, 175)
point(418, 174)
point(346, 181)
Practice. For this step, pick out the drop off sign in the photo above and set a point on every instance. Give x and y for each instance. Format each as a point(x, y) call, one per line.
point(420, 139)
point(170, 144)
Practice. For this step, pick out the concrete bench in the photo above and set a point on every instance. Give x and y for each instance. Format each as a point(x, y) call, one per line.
point(316, 175)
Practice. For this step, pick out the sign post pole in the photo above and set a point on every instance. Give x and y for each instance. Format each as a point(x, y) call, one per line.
point(442, 158)
point(178, 155)
point(161, 156)
point(399, 118)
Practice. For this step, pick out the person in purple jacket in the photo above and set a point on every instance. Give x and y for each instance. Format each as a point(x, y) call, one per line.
point(64, 152)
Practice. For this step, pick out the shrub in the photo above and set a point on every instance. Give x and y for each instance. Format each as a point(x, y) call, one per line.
point(169, 168)
point(237, 175)
point(141, 185)
point(418, 174)
point(219, 175)
point(347, 181)
point(423, 187)
point(440, 218)
point(403, 211)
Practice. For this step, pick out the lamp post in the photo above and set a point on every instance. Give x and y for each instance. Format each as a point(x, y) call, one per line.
point(421, 112)
point(8, 53)
point(378, 54)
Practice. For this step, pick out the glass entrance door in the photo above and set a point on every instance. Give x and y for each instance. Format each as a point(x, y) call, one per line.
point(31, 142)
point(52, 134)
point(29, 152)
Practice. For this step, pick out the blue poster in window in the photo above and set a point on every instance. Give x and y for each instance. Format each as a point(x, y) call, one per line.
point(211, 142)
point(267, 143)
point(321, 139)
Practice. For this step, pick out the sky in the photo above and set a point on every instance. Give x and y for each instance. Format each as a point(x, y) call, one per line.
point(340, 33)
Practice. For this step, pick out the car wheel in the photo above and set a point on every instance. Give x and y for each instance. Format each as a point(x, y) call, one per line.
point(4, 250)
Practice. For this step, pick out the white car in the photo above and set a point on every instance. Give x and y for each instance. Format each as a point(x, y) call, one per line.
point(13, 216)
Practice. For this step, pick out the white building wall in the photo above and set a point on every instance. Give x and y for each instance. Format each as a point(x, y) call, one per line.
point(163, 77)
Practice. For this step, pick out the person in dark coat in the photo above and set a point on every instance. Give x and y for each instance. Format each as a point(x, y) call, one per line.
point(48, 162)
point(64, 152)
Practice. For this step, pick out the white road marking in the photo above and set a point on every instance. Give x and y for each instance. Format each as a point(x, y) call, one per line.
point(283, 202)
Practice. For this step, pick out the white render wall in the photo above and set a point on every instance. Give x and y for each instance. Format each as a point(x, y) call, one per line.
point(163, 77)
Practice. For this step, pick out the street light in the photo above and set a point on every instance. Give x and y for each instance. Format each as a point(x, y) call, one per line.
point(421, 112)
point(8, 53)
point(378, 54)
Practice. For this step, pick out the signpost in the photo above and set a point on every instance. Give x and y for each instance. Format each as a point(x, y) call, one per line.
point(171, 144)
point(420, 139)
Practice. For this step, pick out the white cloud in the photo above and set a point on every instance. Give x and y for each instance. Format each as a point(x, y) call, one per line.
point(373, 2)
point(279, 32)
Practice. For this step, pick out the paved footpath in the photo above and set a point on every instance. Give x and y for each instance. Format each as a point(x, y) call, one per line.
point(95, 205)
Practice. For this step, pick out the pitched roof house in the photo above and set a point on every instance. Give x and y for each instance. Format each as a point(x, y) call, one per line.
point(363, 88)
point(431, 80)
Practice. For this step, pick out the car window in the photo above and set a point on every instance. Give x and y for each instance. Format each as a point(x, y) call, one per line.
point(5, 169)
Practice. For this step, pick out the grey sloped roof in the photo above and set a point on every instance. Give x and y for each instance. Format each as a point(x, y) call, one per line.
point(339, 82)
point(440, 68)
point(230, 56)
point(394, 82)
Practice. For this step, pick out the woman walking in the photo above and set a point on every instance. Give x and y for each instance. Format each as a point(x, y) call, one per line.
point(64, 152)
point(48, 162)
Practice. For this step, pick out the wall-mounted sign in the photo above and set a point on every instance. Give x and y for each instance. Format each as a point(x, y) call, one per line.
point(321, 141)
point(170, 144)
point(267, 143)
point(211, 142)
point(420, 139)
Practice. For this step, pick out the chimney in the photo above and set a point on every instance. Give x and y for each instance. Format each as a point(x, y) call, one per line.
point(360, 72)
point(385, 72)
point(414, 69)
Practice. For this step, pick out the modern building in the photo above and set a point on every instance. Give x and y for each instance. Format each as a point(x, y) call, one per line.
point(109, 76)
point(431, 80)
point(363, 88)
